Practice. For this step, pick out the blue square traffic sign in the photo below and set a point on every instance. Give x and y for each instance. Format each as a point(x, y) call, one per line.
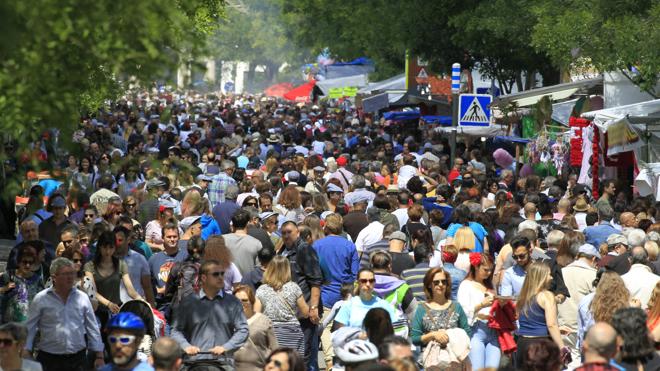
point(473, 109)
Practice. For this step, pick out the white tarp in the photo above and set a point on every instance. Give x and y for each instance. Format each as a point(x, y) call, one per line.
point(648, 179)
point(342, 82)
point(393, 83)
point(477, 131)
point(650, 109)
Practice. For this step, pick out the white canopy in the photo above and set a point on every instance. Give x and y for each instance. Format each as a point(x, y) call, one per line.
point(644, 112)
point(342, 82)
point(476, 131)
point(393, 83)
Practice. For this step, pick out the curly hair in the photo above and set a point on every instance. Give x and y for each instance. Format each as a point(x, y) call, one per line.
point(217, 250)
point(290, 197)
point(611, 295)
point(630, 324)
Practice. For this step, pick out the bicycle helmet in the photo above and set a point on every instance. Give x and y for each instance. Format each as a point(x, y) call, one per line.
point(126, 321)
point(356, 351)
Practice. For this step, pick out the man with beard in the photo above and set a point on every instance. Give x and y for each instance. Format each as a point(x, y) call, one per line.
point(125, 333)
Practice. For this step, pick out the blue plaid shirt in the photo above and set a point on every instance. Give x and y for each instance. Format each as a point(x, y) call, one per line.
point(218, 186)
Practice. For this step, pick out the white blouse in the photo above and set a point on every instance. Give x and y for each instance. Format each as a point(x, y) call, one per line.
point(469, 296)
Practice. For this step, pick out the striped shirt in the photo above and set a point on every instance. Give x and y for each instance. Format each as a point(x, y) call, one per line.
point(382, 245)
point(414, 277)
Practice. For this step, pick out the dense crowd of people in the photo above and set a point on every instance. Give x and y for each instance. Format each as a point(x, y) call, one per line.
point(239, 232)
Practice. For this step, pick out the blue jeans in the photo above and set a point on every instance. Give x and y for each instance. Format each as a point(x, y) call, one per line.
point(484, 347)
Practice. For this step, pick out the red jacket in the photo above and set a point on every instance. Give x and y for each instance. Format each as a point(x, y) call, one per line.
point(503, 320)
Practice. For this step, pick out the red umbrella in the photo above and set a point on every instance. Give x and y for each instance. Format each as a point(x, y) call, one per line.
point(278, 90)
point(301, 93)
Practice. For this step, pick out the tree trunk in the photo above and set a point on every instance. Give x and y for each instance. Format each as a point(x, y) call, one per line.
point(272, 69)
point(530, 78)
point(249, 84)
point(519, 83)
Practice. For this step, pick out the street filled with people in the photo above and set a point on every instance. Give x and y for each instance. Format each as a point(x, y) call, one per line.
point(178, 230)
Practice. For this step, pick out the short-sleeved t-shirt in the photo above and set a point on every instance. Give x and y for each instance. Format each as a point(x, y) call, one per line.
point(160, 265)
point(353, 312)
point(479, 232)
point(108, 286)
point(137, 267)
point(274, 305)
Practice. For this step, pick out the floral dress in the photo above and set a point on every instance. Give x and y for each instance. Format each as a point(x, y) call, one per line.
point(15, 302)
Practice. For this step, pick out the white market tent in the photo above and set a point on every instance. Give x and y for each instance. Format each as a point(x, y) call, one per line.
point(393, 83)
point(342, 82)
point(644, 117)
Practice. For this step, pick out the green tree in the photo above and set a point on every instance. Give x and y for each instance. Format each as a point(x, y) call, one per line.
point(253, 31)
point(64, 57)
point(620, 35)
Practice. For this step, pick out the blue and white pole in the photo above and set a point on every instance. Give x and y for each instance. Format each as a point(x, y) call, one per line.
point(455, 89)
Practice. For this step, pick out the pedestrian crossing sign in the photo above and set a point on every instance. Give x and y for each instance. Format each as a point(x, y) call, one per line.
point(473, 109)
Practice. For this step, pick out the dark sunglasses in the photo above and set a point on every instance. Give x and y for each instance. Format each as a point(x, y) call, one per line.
point(367, 280)
point(130, 205)
point(89, 215)
point(4, 343)
point(217, 274)
point(519, 256)
point(77, 260)
point(438, 282)
point(251, 204)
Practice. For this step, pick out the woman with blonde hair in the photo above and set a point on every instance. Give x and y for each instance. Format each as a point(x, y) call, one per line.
point(313, 222)
point(282, 301)
point(537, 312)
point(261, 341)
point(611, 295)
point(217, 250)
point(464, 240)
point(289, 204)
point(193, 204)
point(653, 313)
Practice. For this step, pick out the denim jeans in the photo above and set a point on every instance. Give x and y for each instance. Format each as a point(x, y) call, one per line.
point(484, 347)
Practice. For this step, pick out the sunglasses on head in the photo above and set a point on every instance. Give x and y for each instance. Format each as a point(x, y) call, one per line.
point(4, 343)
point(367, 280)
point(123, 340)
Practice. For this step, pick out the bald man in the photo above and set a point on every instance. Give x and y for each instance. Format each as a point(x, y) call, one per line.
point(166, 355)
point(599, 347)
point(628, 220)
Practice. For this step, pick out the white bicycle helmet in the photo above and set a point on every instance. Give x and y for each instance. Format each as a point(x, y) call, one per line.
point(356, 351)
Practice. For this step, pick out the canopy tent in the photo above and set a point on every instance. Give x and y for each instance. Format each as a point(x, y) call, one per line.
point(644, 116)
point(301, 93)
point(393, 83)
point(415, 115)
point(648, 180)
point(476, 131)
point(342, 82)
point(278, 90)
point(555, 92)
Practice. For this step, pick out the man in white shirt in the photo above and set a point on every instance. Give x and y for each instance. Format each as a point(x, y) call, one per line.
point(373, 232)
point(639, 280)
point(403, 199)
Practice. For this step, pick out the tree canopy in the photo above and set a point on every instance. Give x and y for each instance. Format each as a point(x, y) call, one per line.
point(506, 39)
point(64, 57)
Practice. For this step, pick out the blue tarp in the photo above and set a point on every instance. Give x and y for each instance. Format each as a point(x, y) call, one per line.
point(414, 115)
point(358, 61)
